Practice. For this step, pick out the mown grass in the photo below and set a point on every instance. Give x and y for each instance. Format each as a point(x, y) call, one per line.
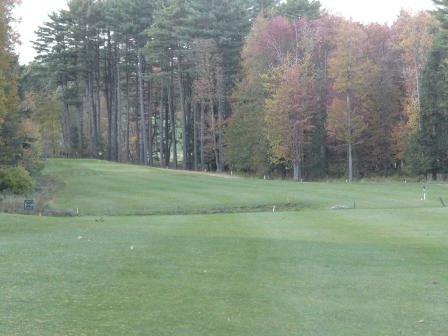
point(102, 188)
point(342, 273)
point(380, 269)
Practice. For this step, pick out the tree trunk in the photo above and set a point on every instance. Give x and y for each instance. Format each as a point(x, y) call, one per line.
point(350, 141)
point(150, 125)
point(184, 118)
point(86, 105)
point(220, 134)
point(167, 148)
point(202, 135)
point(213, 128)
point(80, 129)
point(297, 148)
point(173, 121)
point(161, 135)
point(65, 121)
point(128, 123)
point(350, 162)
point(297, 171)
point(118, 119)
point(143, 136)
point(98, 96)
point(220, 127)
point(139, 142)
point(195, 135)
point(94, 117)
point(419, 102)
point(214, 135)
point(113, 93)
point(108, 93)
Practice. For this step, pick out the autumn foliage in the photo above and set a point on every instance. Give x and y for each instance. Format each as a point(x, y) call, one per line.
point(341, 98)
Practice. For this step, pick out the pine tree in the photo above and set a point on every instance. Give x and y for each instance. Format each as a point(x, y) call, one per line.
point(295, 9)
point(428, 153)
point(11, 142)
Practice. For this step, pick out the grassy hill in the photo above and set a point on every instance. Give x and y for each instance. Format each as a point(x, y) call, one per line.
point(377, 270)
point(103, 188)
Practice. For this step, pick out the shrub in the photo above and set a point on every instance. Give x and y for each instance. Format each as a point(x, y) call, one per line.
point(34, 166)
point(16, 180)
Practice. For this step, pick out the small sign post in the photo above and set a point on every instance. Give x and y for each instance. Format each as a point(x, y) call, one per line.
point(28, 205)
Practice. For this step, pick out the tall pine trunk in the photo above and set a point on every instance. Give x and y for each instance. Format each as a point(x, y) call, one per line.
point(80, 130)
point(167, 149)
point(89, 113)
point(220, 126)
point(108, 93)
point(161, 128)
point(66, 131)
point(118, 119)
point(128, 114)
point(172, 117)
point(143, 135)
point(65, 120)
point(202, 136)
point(150, 125)
point(98, 95)
point(184, 118)
point(195, 135)
point(213, 129)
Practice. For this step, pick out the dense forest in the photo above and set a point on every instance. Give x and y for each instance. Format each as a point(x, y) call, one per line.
point(263, 87)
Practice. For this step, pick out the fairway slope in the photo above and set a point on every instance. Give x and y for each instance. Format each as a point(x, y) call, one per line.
point(104, 188)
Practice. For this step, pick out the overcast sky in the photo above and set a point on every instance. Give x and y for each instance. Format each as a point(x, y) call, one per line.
point(34, 12)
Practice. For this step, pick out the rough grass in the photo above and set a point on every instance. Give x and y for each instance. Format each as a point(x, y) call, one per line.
point(380, 269)
point(46, 187)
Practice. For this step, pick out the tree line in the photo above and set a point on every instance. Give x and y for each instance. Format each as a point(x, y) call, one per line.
point(16, 128)
point(258, 86)
point(336, 97)
point(137, 78)
point(18, 155)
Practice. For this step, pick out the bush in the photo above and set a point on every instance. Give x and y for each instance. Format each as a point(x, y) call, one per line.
point(16, 180)
point(34, 166)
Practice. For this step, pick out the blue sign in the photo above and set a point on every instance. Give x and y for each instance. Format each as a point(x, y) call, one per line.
point(28, 205)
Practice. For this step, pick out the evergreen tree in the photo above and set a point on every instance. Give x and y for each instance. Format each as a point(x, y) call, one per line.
point(294, 9)
point(429, 152)
point(11, 141)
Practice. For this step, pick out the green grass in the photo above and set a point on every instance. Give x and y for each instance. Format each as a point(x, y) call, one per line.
point(102, 188)
point(378, 270)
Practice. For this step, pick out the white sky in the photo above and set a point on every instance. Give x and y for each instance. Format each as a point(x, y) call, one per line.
point(34, 12)
point(382, 11)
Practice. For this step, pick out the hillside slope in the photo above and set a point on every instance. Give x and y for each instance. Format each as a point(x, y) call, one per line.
point(104, 188)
